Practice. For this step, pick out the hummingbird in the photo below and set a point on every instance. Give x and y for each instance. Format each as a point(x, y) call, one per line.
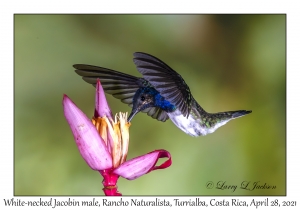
point(161, 93)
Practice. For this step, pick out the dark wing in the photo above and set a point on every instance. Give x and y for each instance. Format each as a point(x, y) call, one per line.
point(119, 85)
point(165, 80)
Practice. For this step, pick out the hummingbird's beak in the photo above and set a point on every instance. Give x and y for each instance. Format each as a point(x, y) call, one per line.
point(133, 112)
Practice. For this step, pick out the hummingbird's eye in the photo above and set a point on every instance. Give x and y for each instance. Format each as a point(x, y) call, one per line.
point(143, 98)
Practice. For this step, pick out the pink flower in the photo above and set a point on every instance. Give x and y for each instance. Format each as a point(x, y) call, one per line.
point(103, 143)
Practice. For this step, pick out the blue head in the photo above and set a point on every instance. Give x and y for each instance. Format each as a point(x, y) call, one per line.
point(146, 97)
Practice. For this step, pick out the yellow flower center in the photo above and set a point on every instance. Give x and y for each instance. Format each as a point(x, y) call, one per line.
point(115, 134)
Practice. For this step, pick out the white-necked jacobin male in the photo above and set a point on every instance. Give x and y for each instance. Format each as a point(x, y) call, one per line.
point(161, 93)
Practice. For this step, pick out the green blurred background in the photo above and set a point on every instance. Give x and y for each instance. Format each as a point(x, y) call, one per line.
point(230, 62)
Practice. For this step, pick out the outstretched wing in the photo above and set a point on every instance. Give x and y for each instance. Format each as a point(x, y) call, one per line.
point(119, 85)
point(165, 80)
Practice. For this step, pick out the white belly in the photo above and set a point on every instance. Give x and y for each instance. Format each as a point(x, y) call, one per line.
point(192, 126)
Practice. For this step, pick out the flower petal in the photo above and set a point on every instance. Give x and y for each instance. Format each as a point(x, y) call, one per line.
point(91, 147)
point(101, 106)
point(124, 127)
point(141, 165)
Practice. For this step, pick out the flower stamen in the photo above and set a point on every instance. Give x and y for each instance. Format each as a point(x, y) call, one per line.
point(118, 129)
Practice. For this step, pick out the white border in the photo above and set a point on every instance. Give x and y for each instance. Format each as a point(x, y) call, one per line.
point(8, 8)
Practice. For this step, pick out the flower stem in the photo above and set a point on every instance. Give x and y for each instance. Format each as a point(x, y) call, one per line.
point(110, 183)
